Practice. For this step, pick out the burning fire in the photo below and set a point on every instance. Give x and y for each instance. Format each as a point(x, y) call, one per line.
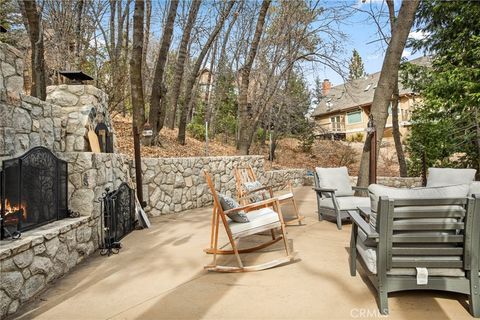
point(11, 211)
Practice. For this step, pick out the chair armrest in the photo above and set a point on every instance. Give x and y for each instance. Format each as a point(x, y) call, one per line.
point(363, 225)
point(260, 204)
point(328, 190)
point(360, 188)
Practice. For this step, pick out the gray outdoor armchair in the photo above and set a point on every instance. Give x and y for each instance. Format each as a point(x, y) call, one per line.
point(335, 194)
point(419, 239)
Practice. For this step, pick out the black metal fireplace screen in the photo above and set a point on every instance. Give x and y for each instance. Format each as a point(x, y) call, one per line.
point(33, 190)
point(119, 216)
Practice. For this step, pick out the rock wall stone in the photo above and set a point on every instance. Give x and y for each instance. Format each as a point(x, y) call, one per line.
point(42, 255)
point(11, 71)
point(89, 174)
point(84, 106)
point(175, 184)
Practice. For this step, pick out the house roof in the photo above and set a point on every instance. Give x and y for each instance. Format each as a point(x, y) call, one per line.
point(356, 93)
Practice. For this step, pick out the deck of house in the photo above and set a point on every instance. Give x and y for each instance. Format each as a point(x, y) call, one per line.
point(159, 275)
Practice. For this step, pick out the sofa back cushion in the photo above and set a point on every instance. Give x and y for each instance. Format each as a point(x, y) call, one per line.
point(440, 177)
point(375, 191)
point(335, 178)
point(474, 188)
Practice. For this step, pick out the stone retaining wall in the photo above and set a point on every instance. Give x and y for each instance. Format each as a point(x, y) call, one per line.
point(42, 255)
point(175, 184)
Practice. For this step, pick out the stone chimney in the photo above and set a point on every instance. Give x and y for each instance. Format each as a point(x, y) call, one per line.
point(326, 86)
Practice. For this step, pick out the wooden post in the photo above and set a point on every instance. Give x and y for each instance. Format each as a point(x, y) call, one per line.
point(372, 168)
point(373, 159)
point(206, 138)
point(424, 168)
point(138, 165)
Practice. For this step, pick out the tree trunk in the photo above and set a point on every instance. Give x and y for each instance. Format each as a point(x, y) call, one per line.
point(402, 163)
point(33, 17)
point(146, 41)
point(182, 56)
point(189, 94)
point(157, 108)
point(245, 127)
point(78, 33)
point(137, 89)
point(387, 81)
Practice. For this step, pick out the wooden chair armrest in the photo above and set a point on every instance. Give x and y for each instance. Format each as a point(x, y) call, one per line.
point(363, 225)
point(260, 204)
point(360, 188)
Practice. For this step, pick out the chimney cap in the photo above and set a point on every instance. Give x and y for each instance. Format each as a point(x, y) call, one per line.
point(75, 75)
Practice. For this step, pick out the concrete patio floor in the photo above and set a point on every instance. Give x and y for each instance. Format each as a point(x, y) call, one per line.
point(159, 275)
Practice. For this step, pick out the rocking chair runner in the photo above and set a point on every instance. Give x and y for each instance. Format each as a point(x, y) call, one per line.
point(263, 216)
point(246, 174)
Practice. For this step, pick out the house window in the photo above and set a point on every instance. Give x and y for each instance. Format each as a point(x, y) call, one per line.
point(354, 117)
point(336, 122)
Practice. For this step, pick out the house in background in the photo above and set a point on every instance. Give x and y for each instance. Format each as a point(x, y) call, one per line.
point(342, 113)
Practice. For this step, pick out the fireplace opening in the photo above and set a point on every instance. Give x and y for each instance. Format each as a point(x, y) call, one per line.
point(33, 191)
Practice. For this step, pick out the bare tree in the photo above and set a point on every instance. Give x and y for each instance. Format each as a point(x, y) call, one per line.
point(137, 88)
point(33, 23)
point(193, 75)
point(159, 89)
point(245, 129)
point(387, 81)
point(182, 56)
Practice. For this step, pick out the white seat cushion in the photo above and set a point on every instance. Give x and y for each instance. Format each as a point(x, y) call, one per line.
point(335, 178)
point(440, 177)
point(285, 196)
point(369, 257)
point(258, 218)
point(346, 203)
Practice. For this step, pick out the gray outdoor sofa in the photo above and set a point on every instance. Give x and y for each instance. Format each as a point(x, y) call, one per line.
point(434, 229)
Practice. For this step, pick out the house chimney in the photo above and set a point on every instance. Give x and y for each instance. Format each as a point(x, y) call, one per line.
point(326, 85)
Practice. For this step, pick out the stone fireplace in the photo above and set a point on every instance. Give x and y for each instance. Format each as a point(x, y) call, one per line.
point(33, 191)
point(48, 169)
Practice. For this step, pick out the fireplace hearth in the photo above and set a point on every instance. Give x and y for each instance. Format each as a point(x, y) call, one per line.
point(33, 191)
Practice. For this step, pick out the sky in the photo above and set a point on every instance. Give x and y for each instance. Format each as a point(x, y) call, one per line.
point(362, 35)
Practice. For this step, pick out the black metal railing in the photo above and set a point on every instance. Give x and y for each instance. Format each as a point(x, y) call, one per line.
point(118, 217)
point(33, 191)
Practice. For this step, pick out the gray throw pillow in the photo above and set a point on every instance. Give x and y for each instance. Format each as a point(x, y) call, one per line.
point(256, 196)
point(228, 203)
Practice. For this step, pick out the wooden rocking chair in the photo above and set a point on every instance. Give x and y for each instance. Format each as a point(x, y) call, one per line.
point(246, 174)
point(263, 216)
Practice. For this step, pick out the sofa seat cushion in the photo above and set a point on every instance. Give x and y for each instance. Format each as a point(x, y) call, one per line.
point(375, 191)
point(258, 219)
point(346, 203)
point(335, 178)
point(439, 177)
point(369, 257)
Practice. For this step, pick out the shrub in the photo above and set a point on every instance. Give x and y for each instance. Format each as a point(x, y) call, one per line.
point(196, 130)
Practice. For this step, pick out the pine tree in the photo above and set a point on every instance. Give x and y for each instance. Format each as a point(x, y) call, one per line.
point(356, 69)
